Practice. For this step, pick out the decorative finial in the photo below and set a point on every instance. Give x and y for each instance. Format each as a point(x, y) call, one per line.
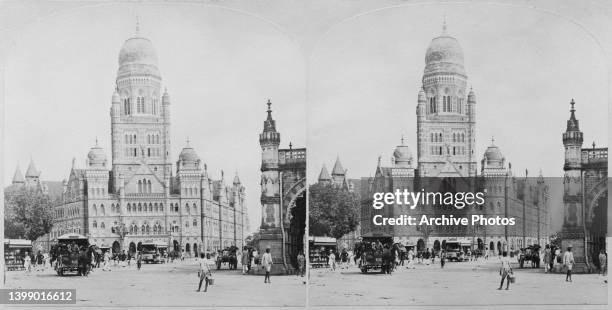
point(96, 140)
point(402, 139)
point(572, 103)
point(290, 146)
point(492, 140)
point(269, 104)
point(444, 25)
point(593, 144)
point(379, 160)
point(187, 141)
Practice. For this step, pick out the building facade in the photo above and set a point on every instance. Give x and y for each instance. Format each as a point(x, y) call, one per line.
point(137, 196)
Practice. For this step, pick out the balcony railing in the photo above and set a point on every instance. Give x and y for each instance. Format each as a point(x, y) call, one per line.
point(594, 155)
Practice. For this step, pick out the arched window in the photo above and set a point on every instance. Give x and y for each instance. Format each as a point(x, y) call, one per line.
point(129, 207)
point(139, 207)
point(148, 229)
point(139, 186)
point(95, 224)
point(156, 207)
point(187, 208)
point(95, 210)
point(102, 210)
point(142, 229)
point(195, 223)
point(195, 209)
point(161, 207)
point(102, 225)
point(150, 207)
point(176, 207)
point(149, 186)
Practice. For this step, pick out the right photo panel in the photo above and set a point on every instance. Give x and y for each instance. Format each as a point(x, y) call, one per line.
point(457, 157)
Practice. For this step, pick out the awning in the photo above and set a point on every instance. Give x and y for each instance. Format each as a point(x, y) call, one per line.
point(71, 236)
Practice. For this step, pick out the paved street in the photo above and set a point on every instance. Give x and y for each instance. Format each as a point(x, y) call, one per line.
point(459, 283)
point(168, 285)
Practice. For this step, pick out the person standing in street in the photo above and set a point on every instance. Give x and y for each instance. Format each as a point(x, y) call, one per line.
point(204, 272)
point(40, 262)
point(442, 259)
point(505, 271)
point(27, 262)
point(301, 260)
point(568, 262)
point(139, 260)
point(106, 261)
point(245, 260)
point(266, 261)
point(547, 258)
point(603, 263)
point(332, 260)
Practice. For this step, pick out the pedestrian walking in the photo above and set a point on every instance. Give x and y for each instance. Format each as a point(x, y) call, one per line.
point(442, 259)
point(505, 271)
point(204, 272)
point(266, 261)
point(568, 263)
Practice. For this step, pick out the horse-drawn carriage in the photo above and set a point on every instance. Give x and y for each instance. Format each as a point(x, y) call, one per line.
point(72, 253)
point(370, 251)
point(530, 253)
point(228, 255)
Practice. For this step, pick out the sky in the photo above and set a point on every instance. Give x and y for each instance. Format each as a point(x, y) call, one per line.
point(220, 67)
point(523, 65)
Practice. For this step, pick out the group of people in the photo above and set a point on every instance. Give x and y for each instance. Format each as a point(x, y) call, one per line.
point(37, 262)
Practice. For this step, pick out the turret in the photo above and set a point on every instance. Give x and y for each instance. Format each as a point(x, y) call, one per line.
point(472, 104)
point(421, 106)
point(324, 176)
point(269, 140)
point(18, 177)
point(572, 141)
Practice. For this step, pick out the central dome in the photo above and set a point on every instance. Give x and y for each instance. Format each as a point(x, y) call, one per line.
point(444, 54)
point(138, 50)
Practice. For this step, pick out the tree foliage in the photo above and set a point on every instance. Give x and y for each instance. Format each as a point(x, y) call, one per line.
point(333, 211)
point(28, 214)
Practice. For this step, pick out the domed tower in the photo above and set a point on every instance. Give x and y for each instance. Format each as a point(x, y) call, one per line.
point(493, 163)
point(96, 173)
point(402, 156)
point(139, 119)
point(269, 140)
point(445, 115)
point(189, 172)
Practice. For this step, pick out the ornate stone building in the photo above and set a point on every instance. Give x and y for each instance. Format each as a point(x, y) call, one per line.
point(283, 198)
point(137, 197)
point(585, 197)
point(446, 123)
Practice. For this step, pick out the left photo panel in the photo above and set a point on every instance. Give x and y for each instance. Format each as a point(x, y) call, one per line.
point(154, 155)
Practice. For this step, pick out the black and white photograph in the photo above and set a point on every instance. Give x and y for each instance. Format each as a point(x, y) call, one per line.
point(305, 154)
point(458, 98)
point(146, 143)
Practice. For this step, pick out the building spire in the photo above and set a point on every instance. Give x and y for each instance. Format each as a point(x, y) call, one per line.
point(492, 140)
point(137, 25)
point(269, 109)
point(402, 139)
point(572, 123)
point(444, 25)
